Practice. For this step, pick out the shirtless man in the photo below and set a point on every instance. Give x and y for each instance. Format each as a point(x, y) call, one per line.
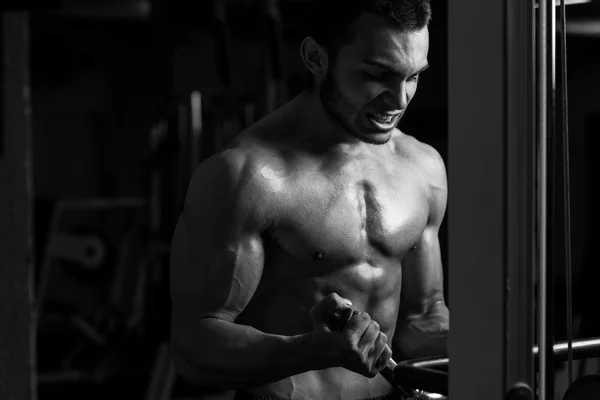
point(322, 205)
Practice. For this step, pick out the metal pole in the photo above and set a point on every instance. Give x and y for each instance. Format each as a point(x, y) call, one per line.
point(551, 203)
point(521, 193)
point(17, 261)
point(566, 185)
point(542, 194)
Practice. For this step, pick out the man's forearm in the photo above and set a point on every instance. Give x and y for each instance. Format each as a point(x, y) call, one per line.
point(227, 355)
point(423, 335)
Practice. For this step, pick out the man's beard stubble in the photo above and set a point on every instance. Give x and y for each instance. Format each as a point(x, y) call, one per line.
point(336, 105)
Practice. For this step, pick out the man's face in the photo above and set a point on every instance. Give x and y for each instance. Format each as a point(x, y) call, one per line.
point(372, 80)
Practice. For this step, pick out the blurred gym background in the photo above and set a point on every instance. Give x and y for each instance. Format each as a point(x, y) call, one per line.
point(109, 105)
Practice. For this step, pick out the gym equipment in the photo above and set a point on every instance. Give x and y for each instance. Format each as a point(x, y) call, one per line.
point(276, 92)
point(163, 375)
point(90, 290)
point(584, 388)
point(79, 234)
point(428, 377)
point(431, 374)
point(88, 251)
point(196, 134)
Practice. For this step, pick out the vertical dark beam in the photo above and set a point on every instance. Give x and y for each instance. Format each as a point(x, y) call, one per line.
point(2, 136)
point(477, 207)
point(16, 237)
point(492, 205)
point(521, 192)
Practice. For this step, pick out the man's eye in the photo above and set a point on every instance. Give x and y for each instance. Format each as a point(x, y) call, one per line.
point(414, 78)
point(374, 76)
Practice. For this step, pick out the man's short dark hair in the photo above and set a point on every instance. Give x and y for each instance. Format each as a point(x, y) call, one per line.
point(330, 22)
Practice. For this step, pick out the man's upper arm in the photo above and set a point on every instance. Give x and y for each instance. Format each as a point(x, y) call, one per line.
point(422, 273)
point(217, 251)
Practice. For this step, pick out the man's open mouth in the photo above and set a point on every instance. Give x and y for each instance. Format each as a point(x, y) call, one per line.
point(382, 121)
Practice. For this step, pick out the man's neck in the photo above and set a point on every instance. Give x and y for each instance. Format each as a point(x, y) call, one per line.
point(318, 126)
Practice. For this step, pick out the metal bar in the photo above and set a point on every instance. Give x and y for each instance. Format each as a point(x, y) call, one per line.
point(550, 62)
point(17, 262)
point(389, 373)
point(431, 375)
point(581, 348)
point(433, 363)
point(520, 192)
point(542, 194)
point(196, 133)
point(429, 380)
point(567, 185)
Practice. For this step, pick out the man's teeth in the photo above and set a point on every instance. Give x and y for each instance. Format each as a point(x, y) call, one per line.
point(383, 119)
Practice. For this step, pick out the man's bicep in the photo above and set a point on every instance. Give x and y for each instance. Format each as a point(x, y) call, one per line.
point(422, 275)
point(211, 277)
point(422, 326)
point(217, 252)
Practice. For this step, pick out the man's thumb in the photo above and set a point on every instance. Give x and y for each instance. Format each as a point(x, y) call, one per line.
point(324, 310)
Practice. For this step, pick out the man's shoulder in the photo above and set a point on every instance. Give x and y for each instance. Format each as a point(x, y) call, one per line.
point(426, 157)
point(249, 164)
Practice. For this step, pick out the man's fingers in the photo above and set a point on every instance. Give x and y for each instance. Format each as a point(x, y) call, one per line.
point(358, 324)
point(385, 353)
point(323, 311)
point(370, 335)
point(340, 319)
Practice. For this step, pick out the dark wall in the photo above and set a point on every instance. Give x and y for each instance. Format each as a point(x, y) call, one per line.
point(95, 96)
point(100, 85)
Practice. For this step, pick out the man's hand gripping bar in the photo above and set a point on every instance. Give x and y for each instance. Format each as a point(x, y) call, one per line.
point(339, 321)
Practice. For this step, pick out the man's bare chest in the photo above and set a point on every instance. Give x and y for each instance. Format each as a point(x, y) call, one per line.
point(352, 215)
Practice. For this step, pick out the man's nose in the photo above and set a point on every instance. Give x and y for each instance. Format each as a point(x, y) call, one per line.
point(397, 97)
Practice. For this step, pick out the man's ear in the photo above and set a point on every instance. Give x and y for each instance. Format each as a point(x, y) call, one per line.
point(315, 58)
